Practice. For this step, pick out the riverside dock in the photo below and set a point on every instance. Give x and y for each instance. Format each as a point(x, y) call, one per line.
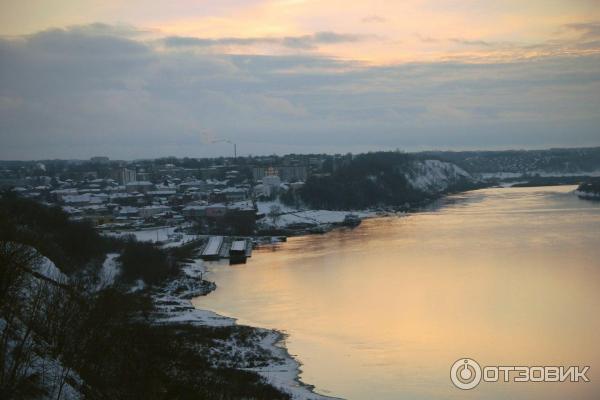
point(213, 248)
point(218, 247)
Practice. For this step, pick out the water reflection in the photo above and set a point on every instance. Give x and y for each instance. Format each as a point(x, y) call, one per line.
point(382, 311)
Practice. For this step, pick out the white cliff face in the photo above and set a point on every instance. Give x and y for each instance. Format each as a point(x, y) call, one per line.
point(434, 176)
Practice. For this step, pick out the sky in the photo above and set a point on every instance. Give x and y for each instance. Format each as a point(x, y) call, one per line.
point(135, 79)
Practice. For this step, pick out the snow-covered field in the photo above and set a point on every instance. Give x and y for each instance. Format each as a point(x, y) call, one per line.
point(146, 235)
point(163, 234)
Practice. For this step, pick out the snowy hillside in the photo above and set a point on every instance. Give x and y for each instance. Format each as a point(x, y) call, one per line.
point(47, 268)
point(434, 176)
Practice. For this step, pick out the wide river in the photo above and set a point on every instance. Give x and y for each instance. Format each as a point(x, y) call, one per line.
point(504, 276)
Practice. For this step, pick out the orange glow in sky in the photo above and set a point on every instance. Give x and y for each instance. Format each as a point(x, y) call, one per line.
point(296, 75)
point(378, 32)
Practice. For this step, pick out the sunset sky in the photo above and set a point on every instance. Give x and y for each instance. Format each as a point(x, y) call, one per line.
point(136, 78)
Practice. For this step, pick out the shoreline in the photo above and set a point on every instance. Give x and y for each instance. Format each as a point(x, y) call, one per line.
point(179, 293)
point(174, 300)
point(287, 379)
point(284, 370)
point(594, 196)
point(174, 305)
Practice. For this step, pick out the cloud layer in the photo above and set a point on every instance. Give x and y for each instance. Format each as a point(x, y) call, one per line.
point(104, 89)
point(294, 42)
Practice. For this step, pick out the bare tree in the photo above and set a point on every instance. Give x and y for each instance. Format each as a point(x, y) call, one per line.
point(37, 314)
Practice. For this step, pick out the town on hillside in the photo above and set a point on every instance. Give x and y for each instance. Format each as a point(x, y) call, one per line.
point(170, 201)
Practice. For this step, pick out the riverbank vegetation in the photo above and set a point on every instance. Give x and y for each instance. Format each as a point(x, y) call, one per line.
point(380, 179)
point(76, 246)
point(575, 161)
point(63, 337)
point(590, 189)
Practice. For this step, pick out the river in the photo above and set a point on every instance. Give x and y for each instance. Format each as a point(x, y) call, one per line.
point(506, 276)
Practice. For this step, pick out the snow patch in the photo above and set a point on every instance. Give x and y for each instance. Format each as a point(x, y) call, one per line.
point(147, 235)
point(50, 372)
point(47, 268)
point(284, 375)
point(167, 236)
point(435, 176)
point(109, 271)
point(137, 286)
point(173, 301)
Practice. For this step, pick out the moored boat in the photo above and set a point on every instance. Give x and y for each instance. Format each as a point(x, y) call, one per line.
point(238, 252)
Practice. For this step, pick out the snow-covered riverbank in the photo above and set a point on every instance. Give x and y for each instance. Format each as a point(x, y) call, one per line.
point(281, 370)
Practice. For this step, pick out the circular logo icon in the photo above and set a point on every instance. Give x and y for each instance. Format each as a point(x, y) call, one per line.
point(465, 373)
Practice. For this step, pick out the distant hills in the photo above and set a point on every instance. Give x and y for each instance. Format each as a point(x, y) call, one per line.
point(513, 163)
point(404, 180)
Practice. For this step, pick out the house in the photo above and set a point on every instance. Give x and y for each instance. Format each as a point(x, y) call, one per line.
point(139, 186)
point(59, 194)
point(205, 211)
point(164, 193)
point(194, 185)
point(194, 211)
point(127, 212)
point(78, 199)
point(234, 194)
point(216, 211)
point(269, 186)
point(124, 175)
point(287, 173)
point(150, 211)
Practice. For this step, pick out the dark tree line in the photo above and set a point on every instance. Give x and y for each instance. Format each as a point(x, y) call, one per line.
point(58, 334)
point(521, 161)
point(592, 186)
point(75, 245)
point(103, 344)
point(368, 180)
point(48, 229)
